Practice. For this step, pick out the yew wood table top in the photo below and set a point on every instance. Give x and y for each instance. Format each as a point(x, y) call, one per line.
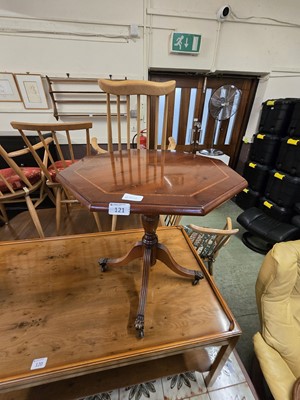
point(170, 182)
point(56, 304)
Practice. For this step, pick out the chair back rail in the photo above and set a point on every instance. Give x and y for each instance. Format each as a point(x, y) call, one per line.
point(136, 94)
point(65, 154)
point(68, 129)
point(209, 241)
point(125, 95)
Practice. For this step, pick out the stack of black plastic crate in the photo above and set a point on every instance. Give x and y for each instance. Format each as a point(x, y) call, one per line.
point(273, 167)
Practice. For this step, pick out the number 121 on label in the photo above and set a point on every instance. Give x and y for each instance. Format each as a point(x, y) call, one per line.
point(119, 209)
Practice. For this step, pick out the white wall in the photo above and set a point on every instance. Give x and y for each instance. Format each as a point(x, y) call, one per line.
point(91, 38)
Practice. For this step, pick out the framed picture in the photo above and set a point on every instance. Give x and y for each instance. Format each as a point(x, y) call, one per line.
point(8, 88)
point(32, 91)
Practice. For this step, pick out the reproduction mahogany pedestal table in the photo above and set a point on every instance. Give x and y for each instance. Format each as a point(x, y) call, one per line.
point(151, 182)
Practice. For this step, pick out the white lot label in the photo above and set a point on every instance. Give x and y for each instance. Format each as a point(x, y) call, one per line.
point(119, 209)
point(132, 197)
point(39, 363)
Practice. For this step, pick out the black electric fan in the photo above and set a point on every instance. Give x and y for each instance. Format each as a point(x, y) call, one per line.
point(223, 104)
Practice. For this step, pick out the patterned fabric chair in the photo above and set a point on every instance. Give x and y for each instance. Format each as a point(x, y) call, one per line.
point(209, 241)
point(60, 133)
point(277, 345)
point(20, 184)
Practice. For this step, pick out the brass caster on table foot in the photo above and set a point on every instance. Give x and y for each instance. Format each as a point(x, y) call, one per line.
point(198, 276)
point(139, 326)
point(103, 264)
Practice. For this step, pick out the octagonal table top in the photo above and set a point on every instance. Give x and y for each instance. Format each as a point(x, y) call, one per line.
point(168, 182)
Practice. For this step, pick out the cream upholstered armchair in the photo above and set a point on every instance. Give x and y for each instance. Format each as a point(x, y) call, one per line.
point(277, 346)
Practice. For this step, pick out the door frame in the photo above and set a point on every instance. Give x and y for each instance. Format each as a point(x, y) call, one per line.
point(201, 81)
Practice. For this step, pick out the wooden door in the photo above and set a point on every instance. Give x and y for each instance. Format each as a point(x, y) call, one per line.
point(191, 105)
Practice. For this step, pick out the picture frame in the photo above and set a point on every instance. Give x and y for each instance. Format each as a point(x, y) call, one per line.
point(8, 87)
point(32, 91)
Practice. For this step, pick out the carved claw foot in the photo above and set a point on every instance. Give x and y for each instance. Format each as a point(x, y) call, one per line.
point(103, 264)
point(198, 276)
point(139, 325)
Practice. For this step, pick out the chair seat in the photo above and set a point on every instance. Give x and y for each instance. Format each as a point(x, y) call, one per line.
point(64, 155)
point(59, 166)
point(33, 174)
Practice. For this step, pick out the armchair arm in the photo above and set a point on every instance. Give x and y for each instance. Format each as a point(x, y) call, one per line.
point(172, 143)
point(96, 147)
point(278, 375)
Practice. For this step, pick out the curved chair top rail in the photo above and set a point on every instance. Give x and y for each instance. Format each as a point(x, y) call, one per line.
point(61, 126)
point(136, 87)
point(202, 229)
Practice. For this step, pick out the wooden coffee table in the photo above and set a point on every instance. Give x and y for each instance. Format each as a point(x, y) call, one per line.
point(57, 307)
point(154, 183)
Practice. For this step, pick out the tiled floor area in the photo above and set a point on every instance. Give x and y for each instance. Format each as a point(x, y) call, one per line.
point(230, 385)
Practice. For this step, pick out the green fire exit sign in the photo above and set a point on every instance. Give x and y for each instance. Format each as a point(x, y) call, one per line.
point(185, 43)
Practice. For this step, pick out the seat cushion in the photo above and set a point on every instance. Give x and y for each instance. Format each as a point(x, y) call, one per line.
point(297, 208)
point(277, 373)
point(268, 228)
point(296, 220)
point(33, 174)
point(278, 298)
point(59, 166)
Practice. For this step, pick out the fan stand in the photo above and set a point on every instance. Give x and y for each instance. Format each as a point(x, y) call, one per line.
point(212, 151)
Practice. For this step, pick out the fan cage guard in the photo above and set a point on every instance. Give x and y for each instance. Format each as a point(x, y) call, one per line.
point(223, 104)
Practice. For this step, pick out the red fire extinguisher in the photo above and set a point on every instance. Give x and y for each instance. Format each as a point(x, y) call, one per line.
point(143, 139)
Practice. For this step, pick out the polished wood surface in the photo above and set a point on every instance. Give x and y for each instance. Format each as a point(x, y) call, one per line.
point(170, 182)
point(108, 380)
point(56, 303)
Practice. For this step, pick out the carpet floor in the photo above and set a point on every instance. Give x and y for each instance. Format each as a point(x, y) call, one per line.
point(235, 272)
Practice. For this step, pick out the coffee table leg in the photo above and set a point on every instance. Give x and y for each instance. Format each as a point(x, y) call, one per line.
point(220, 361)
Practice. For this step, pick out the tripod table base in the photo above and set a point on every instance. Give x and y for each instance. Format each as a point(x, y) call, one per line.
point(150, 250)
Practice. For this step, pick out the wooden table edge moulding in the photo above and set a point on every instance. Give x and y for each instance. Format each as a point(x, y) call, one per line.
point(169, 182)
point(55, 304)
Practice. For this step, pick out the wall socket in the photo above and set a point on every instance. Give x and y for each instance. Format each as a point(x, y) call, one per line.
point(134, 30)
point(133, 113)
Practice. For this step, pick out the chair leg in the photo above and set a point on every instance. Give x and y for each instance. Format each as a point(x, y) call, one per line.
point(58, 208)
point(113, 223)
point(162, 220)
point(210, 267)
point(97, 219)
point(34, 215)
point(42, 195)
point(49, 193)
point(4, 216)
point(178, 219)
